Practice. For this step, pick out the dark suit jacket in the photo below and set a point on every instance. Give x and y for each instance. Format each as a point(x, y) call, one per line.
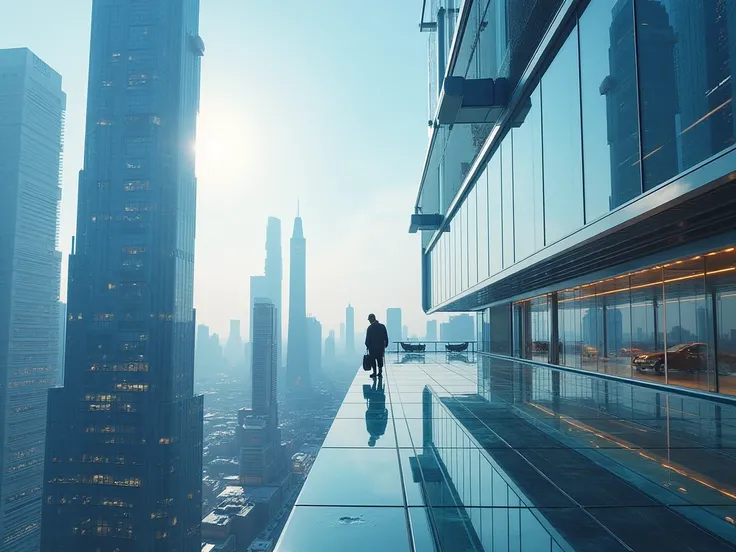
point(376, 339)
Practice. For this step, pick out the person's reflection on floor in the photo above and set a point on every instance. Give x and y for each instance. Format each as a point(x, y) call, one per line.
point(376, 416)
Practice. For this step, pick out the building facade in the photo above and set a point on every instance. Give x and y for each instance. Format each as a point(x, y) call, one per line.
point(274, 276)
point(314, 346)
point(297, 365)
point(349, 330)
point(330, 349)
point(234, 348)
point(583, 208)
point(32, 106)
point(393, 324)
point(261, 458)
point(125, 431)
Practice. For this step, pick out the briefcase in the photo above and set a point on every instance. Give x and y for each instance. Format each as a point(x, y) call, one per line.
point(367, 364)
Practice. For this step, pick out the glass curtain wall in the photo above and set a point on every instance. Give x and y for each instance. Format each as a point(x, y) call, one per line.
point(673, 324)
point(649, 72)
point(532, 324)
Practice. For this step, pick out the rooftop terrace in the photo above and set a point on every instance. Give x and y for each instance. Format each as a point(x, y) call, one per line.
point(483, 453)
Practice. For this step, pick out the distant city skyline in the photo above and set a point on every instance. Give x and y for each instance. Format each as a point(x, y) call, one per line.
point(241, 175)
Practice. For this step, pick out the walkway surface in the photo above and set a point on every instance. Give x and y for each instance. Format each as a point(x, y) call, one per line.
point(474, 453)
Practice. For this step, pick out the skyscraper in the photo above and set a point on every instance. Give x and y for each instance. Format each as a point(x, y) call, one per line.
point(124, 453)
point(431, 331)
point(393, 324)
point(349, 330)
point(268, 286)
point(314, 346)
point(62, 343)
point(31, 121)
point(234, 351)
point(330, 349)
point(274, 276)
point(261, 460)
point(297, 365)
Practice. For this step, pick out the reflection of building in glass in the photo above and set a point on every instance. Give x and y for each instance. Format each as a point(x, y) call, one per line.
point(620, 91)
point(458, 328)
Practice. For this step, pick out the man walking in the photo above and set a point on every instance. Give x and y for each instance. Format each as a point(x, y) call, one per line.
point(376, 341)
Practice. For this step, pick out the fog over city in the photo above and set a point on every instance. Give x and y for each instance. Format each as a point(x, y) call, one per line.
point(291, 111)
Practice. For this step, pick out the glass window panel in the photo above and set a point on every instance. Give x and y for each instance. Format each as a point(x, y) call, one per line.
point(528, 201)
point(613, 306)
point(340, 474)
point(472, 248)
point(647, 324)
point(462, 254)
point(721, 289)
point(609, 107)
point(484, 241)
point(563, 164)
point(500, 329)
point(507, 189)
point(685, 83)
point(570, 328)
point(434, 261)
point(495, 214)
point(454, 266)
point(591, 320)
point(688, 327)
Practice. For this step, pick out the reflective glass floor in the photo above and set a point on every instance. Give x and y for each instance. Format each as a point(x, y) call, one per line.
point(475, 453)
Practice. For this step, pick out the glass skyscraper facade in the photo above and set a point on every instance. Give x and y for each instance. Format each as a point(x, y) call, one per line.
point(584, 207)
point(32, 106)
point(124, 451)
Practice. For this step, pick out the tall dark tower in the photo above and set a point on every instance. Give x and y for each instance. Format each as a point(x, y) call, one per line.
point(274, 275)
point(124, 450)
point(297, 363)
point(261, 453)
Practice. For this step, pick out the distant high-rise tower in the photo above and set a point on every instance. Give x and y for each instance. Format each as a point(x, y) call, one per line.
point(297, 364)
point(234, 351)
point(393, 324)
point(342, 337)
point(431, 331)
point(31, 128)
point(274, 276)
point(350, 330)
point(314, 346)
point(261, 460)
point(330, 349)
point(124, 453)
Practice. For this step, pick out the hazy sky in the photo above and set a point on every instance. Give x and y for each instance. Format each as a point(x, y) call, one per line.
point(325, 101)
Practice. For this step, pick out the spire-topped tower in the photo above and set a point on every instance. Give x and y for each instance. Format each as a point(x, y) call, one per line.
point(297, 367)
